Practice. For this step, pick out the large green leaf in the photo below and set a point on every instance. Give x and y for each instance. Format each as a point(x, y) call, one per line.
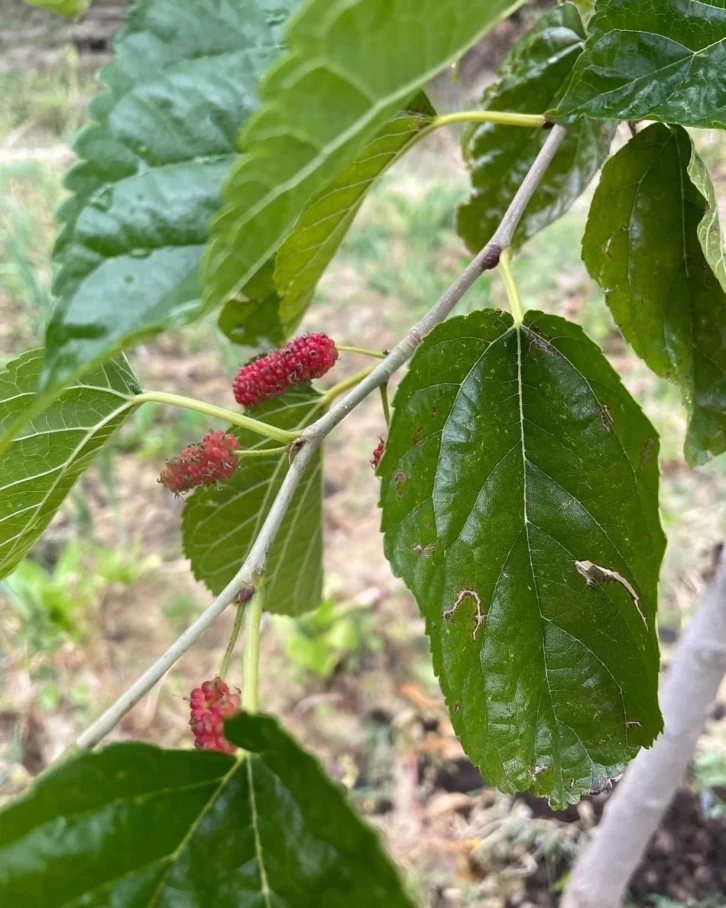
point(134, 827)
point(221, 524)
point(183, 82)
point(319, 231)
point(499, 157)
point(662, 60)
point(349, 69)
point(653, 243)
point(40, 466)
point(515, 454)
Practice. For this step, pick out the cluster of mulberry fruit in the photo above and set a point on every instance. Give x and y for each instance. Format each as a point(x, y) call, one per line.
point(301, 360)
point(211, 704)
point(214, 459)
point(211, 461)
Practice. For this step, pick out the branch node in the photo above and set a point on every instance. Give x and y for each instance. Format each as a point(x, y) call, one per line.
point(295, 446)
point(414, 337)
point(490, 257)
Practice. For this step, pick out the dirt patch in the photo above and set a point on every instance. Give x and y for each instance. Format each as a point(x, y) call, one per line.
point(685, 861)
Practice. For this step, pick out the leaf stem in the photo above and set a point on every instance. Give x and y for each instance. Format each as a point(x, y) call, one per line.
point(344, 386)
point(261, 452)
point(515, 302)
point(251, 667)
point(501, 117)
point(200, 406)
point(386, 405)
point(232, 641)
point(374, 353)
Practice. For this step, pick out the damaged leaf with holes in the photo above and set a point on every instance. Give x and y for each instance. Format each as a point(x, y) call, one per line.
point(520, 506)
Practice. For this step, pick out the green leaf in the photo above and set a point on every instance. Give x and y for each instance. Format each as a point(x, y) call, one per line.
point(310, 247)
point(134, 826)
point(40, 466)
point(586, 8)
point(499, 157)
point(653, 244)
point(513, 454)
point(183, 82)
point(350, 68)
point(221, 524)
point(67, 8)
point(254, 323)
point(660, 61)
point(308, 250)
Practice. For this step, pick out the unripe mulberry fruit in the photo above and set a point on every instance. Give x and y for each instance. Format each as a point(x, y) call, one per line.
point(212, 460)
point(378, 453)
point(211, 704)
point(301, 360)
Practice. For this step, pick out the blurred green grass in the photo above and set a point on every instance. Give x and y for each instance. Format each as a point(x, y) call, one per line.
point(50, 103)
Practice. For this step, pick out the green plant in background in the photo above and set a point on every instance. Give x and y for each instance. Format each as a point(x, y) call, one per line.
point(709, 777)
point(661, 901)
point(52, 105)
point(24, 236)
point(519, 479)
point(327, 637)
point(53, 604)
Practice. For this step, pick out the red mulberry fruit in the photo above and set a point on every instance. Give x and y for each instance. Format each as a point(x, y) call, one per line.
point(212, 460)
point(211, 704)
point(301, 360)
point(378, 453)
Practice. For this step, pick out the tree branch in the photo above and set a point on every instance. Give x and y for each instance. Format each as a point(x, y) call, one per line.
point(603, 870)
point(311, 439)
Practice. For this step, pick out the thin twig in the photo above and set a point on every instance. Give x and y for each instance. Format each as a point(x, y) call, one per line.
point(312, 438)
point(375, 354)
point(200, 406)
point(251, 666)
point(224, 670)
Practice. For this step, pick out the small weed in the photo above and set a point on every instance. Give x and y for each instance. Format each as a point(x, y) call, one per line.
point(319, 641)
point(180, 611)
point(52, 604)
